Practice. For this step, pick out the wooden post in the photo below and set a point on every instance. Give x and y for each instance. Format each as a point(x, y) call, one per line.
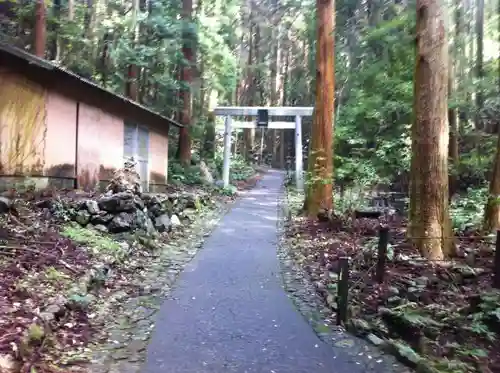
point(342, 290)
point(227, 151)
point(299, 165)
point(496, 265)
point(383, 241)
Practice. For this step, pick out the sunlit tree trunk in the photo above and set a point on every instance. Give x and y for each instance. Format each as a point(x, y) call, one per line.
point(71, 10)
point(54, 30)
point(430, 226)
point(320, 193)
point(209, 140)
point(132, 84)
point(453, 145)
point(275, 88)
point(186, 78)
point(249, 133)
point(479, 58)
point(492, 211)
point(40, 28)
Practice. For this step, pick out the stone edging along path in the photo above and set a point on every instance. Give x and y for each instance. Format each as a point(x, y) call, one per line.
point(302, 293)
point(128, 333)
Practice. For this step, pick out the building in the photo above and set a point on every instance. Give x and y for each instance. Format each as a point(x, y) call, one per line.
point(57, 129)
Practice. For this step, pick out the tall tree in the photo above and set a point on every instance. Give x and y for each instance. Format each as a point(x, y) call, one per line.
point(40, 28)
point(132, 84)
point(430, 225)
point(320, 189)
point(453, 142)
point(492, 210)
point(54, 30)
point(251, 80)
point(187, 80)
point(454, 71)
point(479, 59)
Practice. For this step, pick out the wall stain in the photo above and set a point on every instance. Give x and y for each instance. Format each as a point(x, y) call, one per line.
point(23, 128)
point(88, 167)
point(157, 178)
point(64, 170)
point(106, 173)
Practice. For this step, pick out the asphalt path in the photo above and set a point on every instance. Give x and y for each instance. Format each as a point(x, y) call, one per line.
point(229, 312)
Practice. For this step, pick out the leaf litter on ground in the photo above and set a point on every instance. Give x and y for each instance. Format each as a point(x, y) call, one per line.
point(56, 276)
point(445, 316)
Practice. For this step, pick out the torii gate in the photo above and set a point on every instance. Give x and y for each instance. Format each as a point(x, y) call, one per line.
point(262, 121)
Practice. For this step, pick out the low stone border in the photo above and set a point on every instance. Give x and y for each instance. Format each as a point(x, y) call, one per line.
point(127, 335)
point(303, 294)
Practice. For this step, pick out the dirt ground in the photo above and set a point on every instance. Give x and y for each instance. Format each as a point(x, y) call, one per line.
point(444, 315)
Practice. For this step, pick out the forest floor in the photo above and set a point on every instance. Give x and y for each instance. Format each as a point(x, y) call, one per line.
point(72, 295)
point(433, 316)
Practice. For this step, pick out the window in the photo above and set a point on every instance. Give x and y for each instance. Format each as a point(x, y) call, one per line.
point(136, 145)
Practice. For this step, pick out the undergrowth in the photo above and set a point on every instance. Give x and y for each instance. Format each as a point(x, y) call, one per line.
point(240, 170)
point(98, 244)
point(467, 211)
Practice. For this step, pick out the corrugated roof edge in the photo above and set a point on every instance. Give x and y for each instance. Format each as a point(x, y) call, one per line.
point(32, 59)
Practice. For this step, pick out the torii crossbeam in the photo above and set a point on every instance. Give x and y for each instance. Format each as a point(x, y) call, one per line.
point(262, 115)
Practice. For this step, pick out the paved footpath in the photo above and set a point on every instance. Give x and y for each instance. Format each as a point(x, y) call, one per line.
point(229, 312)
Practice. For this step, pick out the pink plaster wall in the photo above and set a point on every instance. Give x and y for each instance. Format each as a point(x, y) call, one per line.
point(100, 135)
point(100, 146)
point(158, 146)
point(60, 148)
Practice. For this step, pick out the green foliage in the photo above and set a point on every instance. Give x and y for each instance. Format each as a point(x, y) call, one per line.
point(374, 103)
point(240, 168)
point(35, 333)
point(350, 200)
point(80, 301)
point(468, 211)
point(55, 276)
point(96, 242)
point(230, 190)
point(62, 210)
point(189, 175)
point(373, 120)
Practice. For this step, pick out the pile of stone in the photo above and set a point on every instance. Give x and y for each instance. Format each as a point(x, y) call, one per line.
point(125, 208)
point(149, 212)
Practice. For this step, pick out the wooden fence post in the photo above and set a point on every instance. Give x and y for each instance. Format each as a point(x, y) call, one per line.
point(383, 242)
point(343, 290)
point(496, 265)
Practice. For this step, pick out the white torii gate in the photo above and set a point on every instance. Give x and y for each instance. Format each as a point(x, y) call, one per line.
point(262, 121)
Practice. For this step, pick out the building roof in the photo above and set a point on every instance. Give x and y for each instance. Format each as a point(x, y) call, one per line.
point(52, 76)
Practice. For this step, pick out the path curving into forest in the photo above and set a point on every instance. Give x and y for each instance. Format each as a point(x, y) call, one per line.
point(229, 312)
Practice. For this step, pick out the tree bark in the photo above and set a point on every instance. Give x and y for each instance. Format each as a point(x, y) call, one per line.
point(479, 59)
point(186, 78)
point(460, 57)
point(71, 10)
point(132, 84)
point(320, 191)
point(430, 226)
point(54, 30)
point(453, 145)
point(40, 28)
point(492, 210)
point(209, 140)
point(251, 87)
